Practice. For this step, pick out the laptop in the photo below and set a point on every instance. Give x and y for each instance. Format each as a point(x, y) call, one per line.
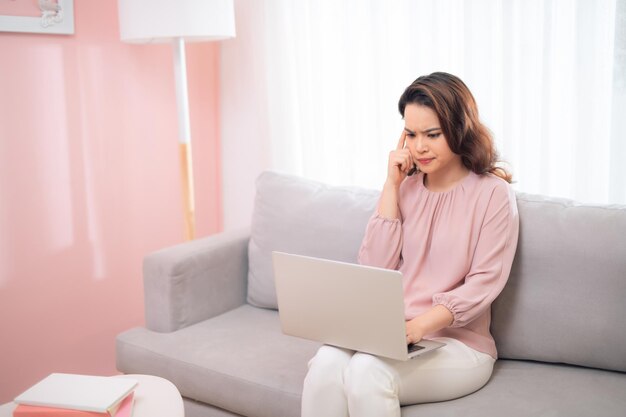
point(351, 306)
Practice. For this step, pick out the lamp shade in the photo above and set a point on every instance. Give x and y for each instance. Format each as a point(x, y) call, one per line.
point(155, 21)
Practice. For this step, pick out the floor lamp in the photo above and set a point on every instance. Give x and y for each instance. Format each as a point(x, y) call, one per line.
point(177, 22)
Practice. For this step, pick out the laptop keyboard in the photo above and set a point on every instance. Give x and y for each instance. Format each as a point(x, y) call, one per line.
point(414, 348)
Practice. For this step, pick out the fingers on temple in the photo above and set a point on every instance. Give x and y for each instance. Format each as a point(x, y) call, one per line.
point(401, 141)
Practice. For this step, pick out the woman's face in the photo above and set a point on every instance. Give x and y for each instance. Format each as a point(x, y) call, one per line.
point(425, 141)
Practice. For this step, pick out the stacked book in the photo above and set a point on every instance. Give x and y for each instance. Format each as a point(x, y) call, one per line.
point(70, 395)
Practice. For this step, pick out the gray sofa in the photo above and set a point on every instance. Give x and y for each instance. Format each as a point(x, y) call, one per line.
point(211, 327)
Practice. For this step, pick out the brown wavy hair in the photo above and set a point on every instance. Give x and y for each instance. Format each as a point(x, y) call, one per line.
point(457, 112)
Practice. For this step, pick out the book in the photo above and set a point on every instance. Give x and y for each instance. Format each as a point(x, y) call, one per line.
point(99, 394)
point(125, 409)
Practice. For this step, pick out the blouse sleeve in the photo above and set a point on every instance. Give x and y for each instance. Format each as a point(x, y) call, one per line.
point(382, 243)
point(491, 263)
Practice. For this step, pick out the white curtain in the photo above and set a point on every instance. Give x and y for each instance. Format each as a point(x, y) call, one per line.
point(549, 78)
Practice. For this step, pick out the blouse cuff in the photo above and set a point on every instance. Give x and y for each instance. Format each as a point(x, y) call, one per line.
point(380, 217)
point(444, 300)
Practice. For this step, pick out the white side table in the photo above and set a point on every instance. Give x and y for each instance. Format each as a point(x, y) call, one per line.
point(154, 397)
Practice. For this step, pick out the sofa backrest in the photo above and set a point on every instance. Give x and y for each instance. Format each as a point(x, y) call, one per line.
point(563, 301)
point(565, 298)
point(305, 217)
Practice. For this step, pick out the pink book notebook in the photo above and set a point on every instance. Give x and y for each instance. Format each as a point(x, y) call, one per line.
point(125, 409)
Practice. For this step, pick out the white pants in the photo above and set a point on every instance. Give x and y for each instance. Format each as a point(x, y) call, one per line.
point(343, 383)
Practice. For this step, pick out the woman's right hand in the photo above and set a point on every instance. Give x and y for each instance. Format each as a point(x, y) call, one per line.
point(400, 163)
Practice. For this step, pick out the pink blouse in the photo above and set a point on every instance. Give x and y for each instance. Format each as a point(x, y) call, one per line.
point(454, 248)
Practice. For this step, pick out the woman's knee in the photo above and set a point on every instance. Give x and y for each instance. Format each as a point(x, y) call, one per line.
point(369, 375)
point(328, 365)
point(330, 357)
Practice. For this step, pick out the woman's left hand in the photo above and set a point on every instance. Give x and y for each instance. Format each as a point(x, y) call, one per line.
point(414, 331)
point(437, 318)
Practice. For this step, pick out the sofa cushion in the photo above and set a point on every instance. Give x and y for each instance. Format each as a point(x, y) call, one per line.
point(522, 389)
point(564, 300)
point(239, 361)
point(305, 217)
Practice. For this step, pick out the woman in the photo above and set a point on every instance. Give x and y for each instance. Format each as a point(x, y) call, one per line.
point(447, 219)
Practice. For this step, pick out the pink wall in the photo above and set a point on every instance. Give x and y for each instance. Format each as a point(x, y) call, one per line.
point(89, 183)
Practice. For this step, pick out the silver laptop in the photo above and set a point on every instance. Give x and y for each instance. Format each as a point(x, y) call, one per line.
point(341, 304)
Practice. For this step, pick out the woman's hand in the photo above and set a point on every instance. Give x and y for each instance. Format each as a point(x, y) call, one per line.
point(400, 163)
point(435, 319)
point(414, 331)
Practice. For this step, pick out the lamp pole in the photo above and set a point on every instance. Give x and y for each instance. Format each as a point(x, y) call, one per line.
point(178, 22)
point(184, 137)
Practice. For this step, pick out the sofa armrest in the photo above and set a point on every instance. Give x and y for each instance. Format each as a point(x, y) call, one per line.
point(194, 281)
